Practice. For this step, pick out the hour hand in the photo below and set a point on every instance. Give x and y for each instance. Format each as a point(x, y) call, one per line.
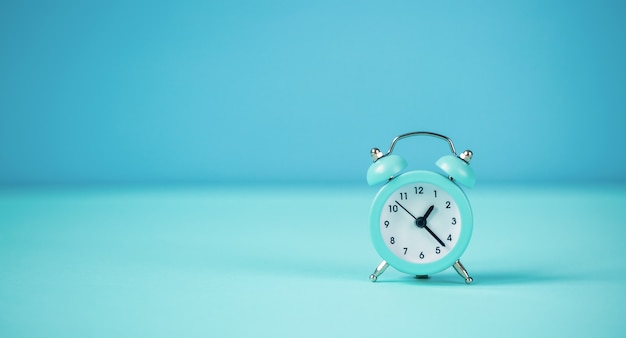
point(421, 222)
point(430, 209)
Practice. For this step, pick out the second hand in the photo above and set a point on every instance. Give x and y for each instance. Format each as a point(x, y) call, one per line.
point(421, 222)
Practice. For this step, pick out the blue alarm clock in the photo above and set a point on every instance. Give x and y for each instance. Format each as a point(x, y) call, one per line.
point(421, 221)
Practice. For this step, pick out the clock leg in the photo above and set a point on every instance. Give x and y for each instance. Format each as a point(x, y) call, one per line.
point(379, 270)
point(462, 271)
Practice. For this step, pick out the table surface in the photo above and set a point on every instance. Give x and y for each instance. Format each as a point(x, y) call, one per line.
point(294, 261)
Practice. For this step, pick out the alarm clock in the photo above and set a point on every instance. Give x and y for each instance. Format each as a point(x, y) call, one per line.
point(421, 221)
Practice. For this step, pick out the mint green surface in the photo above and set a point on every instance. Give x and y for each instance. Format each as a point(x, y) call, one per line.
point(421, 176)
point(384, 168)
point(457, 169)
point(547, 261)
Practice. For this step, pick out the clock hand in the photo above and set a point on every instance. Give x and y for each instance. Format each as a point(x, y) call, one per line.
point(433, 234)
point(408, 212)
point(421, 222)
point(428, 212)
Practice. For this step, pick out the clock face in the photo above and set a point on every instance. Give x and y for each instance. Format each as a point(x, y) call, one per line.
point(420, 222)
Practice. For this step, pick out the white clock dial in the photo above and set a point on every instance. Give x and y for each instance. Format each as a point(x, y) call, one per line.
point(420, 223)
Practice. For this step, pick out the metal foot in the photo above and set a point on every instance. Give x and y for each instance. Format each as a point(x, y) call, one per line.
point(422, 276)
point(379, 270)
point(462, 271)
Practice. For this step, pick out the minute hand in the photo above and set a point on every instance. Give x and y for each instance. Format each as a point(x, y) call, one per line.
point(422, 223)
point(433, 234)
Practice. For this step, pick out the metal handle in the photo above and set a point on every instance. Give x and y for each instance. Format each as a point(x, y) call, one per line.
point(421, 133)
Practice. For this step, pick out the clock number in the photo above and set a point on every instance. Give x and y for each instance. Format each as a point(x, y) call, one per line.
point(393, 208)
point(450, 238)
point(447, 204)
point(437, 250)
point(403, 196)
point(405, 249)
point(435, 193)
point(386, 224)
point(453, 220)
point(419, 190)
point(392, 240)
point(422, 255)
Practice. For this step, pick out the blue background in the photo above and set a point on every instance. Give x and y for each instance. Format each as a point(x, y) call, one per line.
point(197, 169)
point(246, 91)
